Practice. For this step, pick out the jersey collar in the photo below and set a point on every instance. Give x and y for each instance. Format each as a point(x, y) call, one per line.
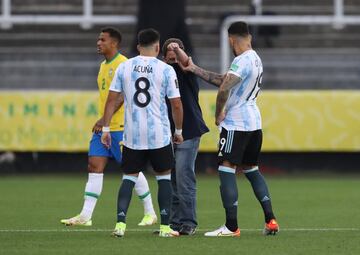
point(111, 60)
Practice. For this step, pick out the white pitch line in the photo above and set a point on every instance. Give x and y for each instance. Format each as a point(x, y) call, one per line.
point(150, 230)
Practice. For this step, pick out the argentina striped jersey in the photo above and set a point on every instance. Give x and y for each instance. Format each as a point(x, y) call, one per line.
point(145, 82)
point(242, 113)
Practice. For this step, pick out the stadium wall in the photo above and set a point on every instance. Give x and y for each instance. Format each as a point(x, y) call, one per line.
point(312, 131)
point(293, 121)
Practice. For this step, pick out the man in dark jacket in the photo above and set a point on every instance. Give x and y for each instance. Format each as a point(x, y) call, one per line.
point(183, 208)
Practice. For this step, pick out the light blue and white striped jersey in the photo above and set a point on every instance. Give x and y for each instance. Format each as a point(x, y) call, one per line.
point(145, 82)
point(242, 113)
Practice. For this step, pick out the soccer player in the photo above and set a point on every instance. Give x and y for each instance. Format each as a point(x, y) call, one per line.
point(183, 206)
point(142, 83)
point(241, 135)
point(108, 45)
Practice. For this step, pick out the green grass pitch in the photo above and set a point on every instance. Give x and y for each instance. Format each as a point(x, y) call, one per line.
point(316, 216)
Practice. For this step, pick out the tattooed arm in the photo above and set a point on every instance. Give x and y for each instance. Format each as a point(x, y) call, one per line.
point(211, 77)
point(230, 81)
point(188, 65)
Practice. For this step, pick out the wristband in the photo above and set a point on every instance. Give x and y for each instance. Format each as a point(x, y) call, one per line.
point(178, 131)
point(106, 129)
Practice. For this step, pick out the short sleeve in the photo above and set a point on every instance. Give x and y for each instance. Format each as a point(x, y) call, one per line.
point(116, 83)
point(172, 89)
point(240, 67)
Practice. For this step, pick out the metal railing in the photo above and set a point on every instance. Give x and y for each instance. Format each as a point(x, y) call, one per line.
point(338, 20)
point(86, 20)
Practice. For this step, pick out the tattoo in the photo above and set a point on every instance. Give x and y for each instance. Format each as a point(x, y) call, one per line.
point(211, 77)
point(221, 99)
point(230, 81)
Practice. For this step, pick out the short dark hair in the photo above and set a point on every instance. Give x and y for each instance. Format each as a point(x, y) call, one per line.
point(148, 36)
point(113, 32)
point(172, 40)
point(239, 28)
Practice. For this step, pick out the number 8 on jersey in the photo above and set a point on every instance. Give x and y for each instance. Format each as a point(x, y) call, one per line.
point(142, 96)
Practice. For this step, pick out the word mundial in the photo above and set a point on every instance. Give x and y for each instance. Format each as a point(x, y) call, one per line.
point(143, 69)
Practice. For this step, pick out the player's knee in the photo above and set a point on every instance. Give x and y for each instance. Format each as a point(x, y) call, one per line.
point(166, 172)
point(228, 164)
point(94, 167)
point(246, 168)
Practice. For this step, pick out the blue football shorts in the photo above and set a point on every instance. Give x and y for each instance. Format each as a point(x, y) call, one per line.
point(97, 149)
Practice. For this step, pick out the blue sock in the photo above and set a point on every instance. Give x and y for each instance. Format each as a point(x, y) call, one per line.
point(164, 197)
point(124, 196)
point(229, 196)
point(261, 191)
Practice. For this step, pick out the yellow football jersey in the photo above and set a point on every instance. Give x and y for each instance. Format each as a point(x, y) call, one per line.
point(105, 76)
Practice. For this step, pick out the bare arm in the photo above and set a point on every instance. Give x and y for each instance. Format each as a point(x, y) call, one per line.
point(100, 123)
point(182, 57)
point(177, 114)
point(211, 77)
point(188, 65)
point(114, 100)
point(119, 102)
point(113, 103)
point(230, 81)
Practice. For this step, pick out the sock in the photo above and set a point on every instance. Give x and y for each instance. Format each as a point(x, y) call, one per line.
point(93, 190)
point(229, 196)
point(124, 196)
point(143, 191)
point(164, 197)
point(261, 191)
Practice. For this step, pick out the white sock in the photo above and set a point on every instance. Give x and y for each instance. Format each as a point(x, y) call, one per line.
point(143, 192)
point(93, 190)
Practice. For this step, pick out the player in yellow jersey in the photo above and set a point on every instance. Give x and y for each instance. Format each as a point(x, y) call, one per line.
point(108, 45)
